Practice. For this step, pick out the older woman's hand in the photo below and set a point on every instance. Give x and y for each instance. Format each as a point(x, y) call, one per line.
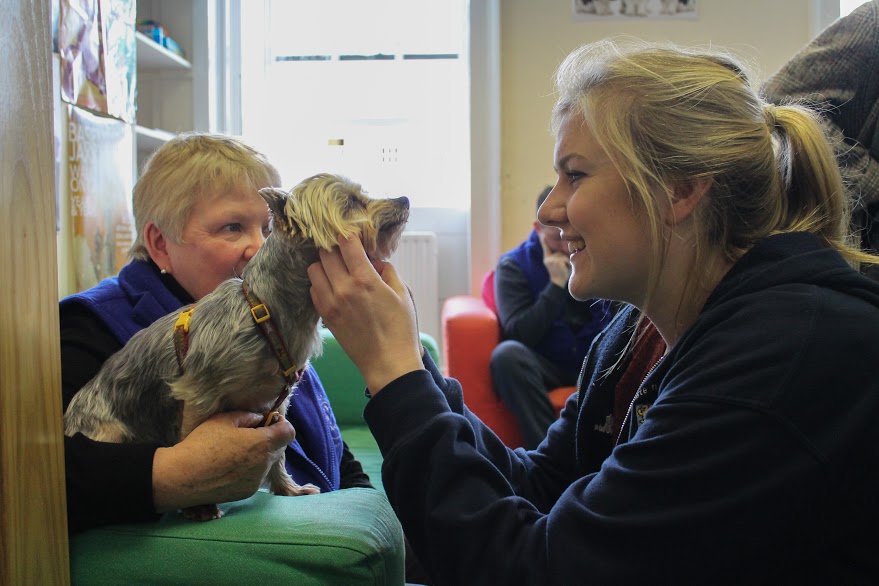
point(370, 312)
point(224, 459)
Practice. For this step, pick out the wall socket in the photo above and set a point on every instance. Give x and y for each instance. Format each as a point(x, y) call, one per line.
point(390, 155)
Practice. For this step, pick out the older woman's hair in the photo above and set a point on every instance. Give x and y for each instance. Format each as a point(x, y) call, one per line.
point(189, 167)
point(667, 116)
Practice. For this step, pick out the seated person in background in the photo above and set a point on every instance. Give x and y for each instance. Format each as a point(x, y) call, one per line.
point(546, 331)
point(199, 221)
point(836, 72)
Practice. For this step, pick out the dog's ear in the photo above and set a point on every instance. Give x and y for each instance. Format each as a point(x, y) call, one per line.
point(277, 200)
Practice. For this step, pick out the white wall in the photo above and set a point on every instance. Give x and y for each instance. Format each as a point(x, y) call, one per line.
point(451, 227)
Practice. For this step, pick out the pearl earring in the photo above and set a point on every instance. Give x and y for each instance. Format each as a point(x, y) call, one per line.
point(164, 272)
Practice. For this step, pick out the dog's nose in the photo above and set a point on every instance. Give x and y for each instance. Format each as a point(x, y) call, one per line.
point(404, 201)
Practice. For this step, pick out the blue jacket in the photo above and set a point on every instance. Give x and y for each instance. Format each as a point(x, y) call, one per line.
point(138, 297)
point(750, 457)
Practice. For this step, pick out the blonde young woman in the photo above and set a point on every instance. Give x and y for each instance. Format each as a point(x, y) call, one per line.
point(747, 453)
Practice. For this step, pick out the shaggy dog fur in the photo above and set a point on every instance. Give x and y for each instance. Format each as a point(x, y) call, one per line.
point(142, 395)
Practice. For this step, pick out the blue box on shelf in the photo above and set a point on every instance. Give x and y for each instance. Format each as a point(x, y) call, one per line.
point(156, 32)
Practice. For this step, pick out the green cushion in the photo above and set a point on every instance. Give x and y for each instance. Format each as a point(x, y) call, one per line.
point(343, 382)
point(363, 446)
point(345, 389)
point(344, 537)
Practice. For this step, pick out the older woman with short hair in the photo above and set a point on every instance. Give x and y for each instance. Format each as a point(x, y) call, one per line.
point(199, 221)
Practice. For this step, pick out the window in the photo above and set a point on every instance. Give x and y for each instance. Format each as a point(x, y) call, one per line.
point(381, 95)
point(846, 6)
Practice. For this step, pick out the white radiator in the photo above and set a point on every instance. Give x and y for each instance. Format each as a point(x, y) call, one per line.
point(417, 262)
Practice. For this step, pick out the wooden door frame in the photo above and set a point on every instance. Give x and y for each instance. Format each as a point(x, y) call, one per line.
point(33, 514)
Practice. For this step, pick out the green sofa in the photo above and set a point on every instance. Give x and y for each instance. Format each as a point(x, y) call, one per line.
point(344, 537)
point(345, 388)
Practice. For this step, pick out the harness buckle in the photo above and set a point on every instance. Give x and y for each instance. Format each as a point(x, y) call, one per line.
point(263, 312)
point(183, 320)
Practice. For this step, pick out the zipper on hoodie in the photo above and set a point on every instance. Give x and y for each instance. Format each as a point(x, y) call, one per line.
point(638, 394)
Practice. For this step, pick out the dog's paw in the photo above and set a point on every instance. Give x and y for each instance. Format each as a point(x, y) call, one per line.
point(308, 489)
point(287, 487)
point(202, 513)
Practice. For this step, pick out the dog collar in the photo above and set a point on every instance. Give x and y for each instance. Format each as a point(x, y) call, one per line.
point(261, 316)
point(274, 413)
point(181, 347)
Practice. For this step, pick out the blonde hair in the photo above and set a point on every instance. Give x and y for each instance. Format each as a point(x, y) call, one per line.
point(667, 115)
point(187, 168)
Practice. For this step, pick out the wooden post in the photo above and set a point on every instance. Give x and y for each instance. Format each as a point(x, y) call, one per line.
point(33, 527)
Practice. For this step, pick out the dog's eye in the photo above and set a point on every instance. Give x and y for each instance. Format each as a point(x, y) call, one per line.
point(355, 203)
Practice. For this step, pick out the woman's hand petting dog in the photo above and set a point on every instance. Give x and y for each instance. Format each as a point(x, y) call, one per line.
point(223, 459)
point(370, 312)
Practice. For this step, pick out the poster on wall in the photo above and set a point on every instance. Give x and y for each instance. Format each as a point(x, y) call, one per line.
point(98, 59)
point(100, 180)
point(634, 9)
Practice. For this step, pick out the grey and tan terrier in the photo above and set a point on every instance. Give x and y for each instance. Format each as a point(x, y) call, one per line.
point(243, 346)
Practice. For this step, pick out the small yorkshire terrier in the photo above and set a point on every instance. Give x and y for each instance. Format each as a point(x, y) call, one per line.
point(243, 346)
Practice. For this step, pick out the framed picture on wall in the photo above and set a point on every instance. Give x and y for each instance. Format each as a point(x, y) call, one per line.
point(633, 9)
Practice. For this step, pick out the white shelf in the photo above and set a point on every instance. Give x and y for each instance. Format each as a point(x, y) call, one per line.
point(149, 139)
point(151, 55)
point(168, 84)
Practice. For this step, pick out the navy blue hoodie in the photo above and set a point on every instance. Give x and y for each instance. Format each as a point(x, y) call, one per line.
point(749, 456)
